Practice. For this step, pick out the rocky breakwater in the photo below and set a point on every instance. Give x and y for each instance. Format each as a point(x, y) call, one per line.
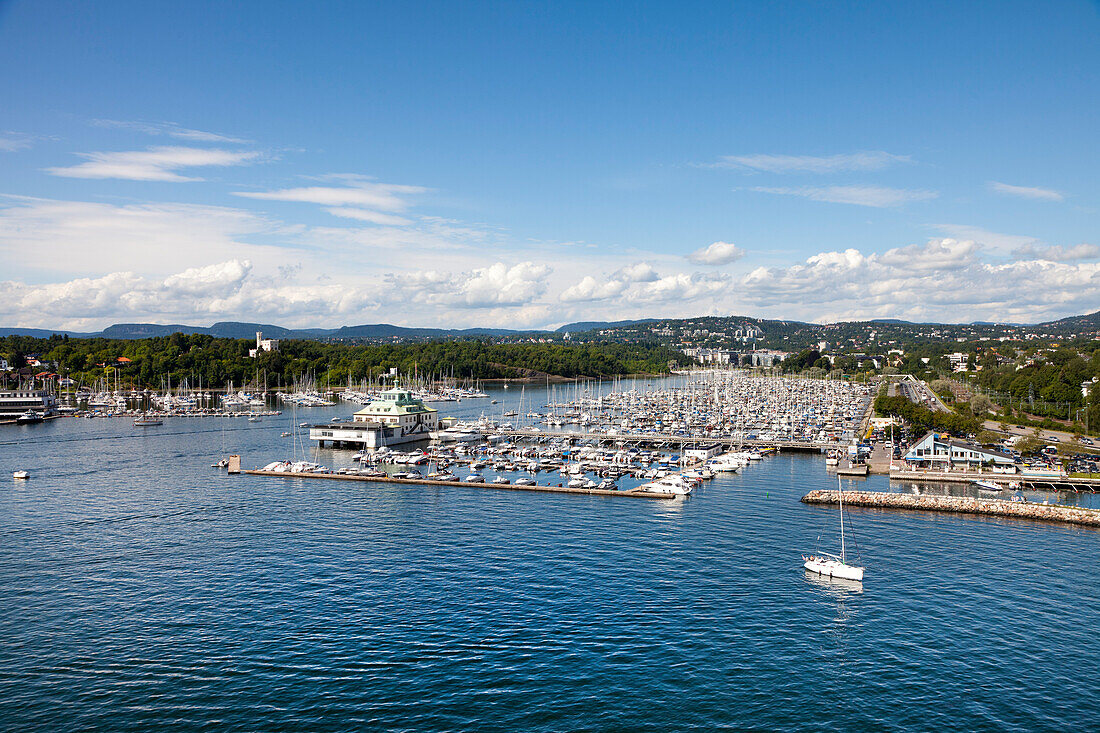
point(960, 505)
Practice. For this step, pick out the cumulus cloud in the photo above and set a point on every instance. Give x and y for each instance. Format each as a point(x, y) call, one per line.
point(717, 253)
point(361, 194)
point(939, 280)
point(223, 290)
point(1027, 192)
point(154, 164)
point(876, 196)
point(861, 161)
point(496, 285)
point(1002, 243)
point(640, 283)
point(1059, 253)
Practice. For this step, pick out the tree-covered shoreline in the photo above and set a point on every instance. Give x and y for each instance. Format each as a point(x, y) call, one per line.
point(218, 361)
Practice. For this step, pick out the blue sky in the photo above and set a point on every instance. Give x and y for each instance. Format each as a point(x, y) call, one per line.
point(520, 165)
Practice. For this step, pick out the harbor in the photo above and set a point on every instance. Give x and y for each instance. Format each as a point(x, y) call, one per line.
point(384, 568)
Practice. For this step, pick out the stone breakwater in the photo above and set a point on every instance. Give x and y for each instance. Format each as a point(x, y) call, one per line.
point(960, 505)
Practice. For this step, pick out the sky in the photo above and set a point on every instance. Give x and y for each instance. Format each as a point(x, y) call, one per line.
point(524, 165)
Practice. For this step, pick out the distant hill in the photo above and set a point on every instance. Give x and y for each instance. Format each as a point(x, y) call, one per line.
point(41, 333)
point(237, 330)
point(582, 326)
point(1087, 322)
point(379, 331)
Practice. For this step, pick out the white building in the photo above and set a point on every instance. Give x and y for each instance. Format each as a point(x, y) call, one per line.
point(263, 344)
point(14, 403)
point(938, 451)
point(957, 361)
point(395, 417)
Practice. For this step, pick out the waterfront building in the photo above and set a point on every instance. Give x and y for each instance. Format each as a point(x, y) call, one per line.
point(938, 451)
point(395, 417)
point(14, 403)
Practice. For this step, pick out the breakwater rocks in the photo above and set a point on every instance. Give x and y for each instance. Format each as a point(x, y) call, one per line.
point(961, 505)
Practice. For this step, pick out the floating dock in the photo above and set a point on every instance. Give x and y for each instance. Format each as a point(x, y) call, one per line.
point(1009, 480)
point(466, 484)
point(961, 505)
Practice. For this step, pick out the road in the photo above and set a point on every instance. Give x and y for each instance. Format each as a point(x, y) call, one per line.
point(1047, 435)
point(919, 393)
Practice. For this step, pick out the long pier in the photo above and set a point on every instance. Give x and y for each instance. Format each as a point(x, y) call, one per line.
point(667, 439)
point(1047, 483)
point(466, 484)
point(960, 505)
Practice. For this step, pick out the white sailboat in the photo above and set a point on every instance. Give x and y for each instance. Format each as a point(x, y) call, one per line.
point(831, 565)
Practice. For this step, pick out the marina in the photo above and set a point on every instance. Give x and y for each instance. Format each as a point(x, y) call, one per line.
point(383, 567)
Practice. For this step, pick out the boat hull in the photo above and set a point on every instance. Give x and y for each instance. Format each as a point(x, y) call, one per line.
point(833, 568)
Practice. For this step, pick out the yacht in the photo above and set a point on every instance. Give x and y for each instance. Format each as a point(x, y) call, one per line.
point(28, 417)
point(834, 566)
point(673, 484)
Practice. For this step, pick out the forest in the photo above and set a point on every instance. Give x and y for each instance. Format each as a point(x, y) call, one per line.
point(217, 361)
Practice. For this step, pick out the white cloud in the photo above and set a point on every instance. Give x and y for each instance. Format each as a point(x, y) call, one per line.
point(640, 283)
point(10, 142)
point(154, 164)
point(876, 196)
point(1002, 243)
point(69, 237)
point(862, 161)
point(717, 253)
point(942, 280)
point(363, 194)
point(171, 130)
point(1027, 192)
point(223, 290)
point(373, 217)
point(1059, 253)
point(496, 285)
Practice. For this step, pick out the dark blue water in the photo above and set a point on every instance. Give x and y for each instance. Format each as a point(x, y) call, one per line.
point(140, 588)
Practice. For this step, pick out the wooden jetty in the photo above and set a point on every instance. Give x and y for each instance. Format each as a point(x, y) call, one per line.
point(960, 505)
point(467, 484)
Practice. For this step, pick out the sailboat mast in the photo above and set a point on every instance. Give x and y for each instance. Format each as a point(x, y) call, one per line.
point(840, 492)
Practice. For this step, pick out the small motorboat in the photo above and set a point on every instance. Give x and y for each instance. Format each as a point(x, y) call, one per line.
point(146, 421)
point(986, 485)
point(21, 474)
point(29, 417)
point(223, 463)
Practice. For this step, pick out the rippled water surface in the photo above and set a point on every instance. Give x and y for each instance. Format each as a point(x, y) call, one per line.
point(141, 588)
